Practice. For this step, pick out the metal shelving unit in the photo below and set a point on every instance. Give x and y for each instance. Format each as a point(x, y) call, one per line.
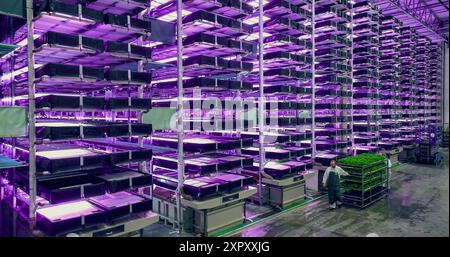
point(338, 76)
point(69, 163)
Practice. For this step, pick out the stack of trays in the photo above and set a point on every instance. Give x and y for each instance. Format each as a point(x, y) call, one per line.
point(279, 170)
point(201, 143)
point(63, 157)
point(65, 130)
point(67, 217)
point(204, 163)
point(205, 187)
point(120, 179)
point(121, 204)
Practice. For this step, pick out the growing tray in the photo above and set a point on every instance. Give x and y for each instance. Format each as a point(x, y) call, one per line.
point(118, 179)
point(121, 204)
point(68, 217)
point(279, 170)
point(204, 163)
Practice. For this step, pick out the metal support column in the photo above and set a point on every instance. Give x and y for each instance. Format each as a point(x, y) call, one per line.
point(180, 129)
point(140, 94)
point(31, 118)
point(313, 81)
point(352, 137)
point(261, 102)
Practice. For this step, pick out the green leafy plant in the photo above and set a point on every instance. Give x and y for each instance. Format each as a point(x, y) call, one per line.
point(361, 160)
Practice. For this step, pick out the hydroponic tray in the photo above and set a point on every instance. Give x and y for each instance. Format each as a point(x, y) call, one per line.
point(203, 21)
point(366, 139)
point(287, 9)
point(207, 45)
point(286, 60)
point(78, 102)
point(367, 28)
point(70, 78)
point(67, 129)
point(286, 43)
point(331, 54)
point(332, 12)
point(286, 89)
point(279, 170)
point(325, 106)
point(286, 26)
point(58, 48)
point(227, 8)
point(205, 66)
point(365, 63)
point(198, 188)
point(204, 163)
point(202, 188)
point(331, 132)
point(406, 141)
point(388, 145)
point(116, 53)
point(364, 127)
point(208, 84)
point(77, 19)
point(120, 179)
point(332, 119)
point(115, 6)
point(332, 66)
point(201, 143)
point(64, 157)
point(326, 158)
point(329, 40)
point(331, 27)
point(121, 204)
point(389, 134)
point(274, 75)
point(367, 149)
point(327, 144)
point(215, 124)
point(287, 121)
point(274, 137)
point(333, 79)
point(278, 153)
point(60, 189)
point(285, 105)
point(197, 103)
point(61, 48)
point(332, 92)
point(68, 217)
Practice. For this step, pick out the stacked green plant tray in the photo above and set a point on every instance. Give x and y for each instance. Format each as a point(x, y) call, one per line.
point(367, 180)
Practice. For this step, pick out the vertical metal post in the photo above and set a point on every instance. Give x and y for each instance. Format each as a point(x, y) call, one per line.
point(442, 84)
point(352, 137)
point(313, 82)
point(377, 89)
point(140, 68)
point(180, 129)
point(31, 118)
point(261, 101)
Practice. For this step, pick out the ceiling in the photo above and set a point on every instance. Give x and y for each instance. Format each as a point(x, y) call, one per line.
point(428, 17)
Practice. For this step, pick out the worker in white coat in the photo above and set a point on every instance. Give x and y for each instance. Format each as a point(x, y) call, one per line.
point(331, 181)
point(389, 171)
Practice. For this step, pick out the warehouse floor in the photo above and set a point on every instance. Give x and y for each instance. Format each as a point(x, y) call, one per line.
point(418, 205)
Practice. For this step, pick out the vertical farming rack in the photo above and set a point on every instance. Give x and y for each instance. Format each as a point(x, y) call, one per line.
point(187, 110)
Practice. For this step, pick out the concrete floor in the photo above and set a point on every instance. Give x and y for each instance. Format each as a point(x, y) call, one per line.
point(418, 205)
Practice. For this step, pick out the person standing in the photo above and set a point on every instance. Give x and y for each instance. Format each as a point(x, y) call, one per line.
point(331, 181)
point(389, 171)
